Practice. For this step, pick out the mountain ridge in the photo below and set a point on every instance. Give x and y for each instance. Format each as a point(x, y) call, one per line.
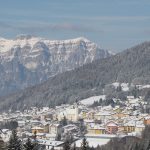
point(28, 60)
point(131, 66)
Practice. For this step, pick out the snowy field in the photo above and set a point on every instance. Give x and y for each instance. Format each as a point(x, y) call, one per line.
point(94, 142)
point(90, 100)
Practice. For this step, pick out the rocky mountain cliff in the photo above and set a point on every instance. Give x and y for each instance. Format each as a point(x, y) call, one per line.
point(28, 60)
point(131, 66)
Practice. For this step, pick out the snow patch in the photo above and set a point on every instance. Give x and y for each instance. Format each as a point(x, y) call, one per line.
point(94, 142)
point(90, 100)
point(124, 86)
point(31, 65)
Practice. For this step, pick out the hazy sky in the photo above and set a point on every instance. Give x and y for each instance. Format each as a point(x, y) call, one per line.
point(112, 24)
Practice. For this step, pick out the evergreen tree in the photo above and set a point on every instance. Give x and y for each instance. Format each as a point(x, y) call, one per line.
point(36, 145)
point(14, 142)
point(147, 96)
point(100, 102)
point(136, 147)
point(64, 121)
point(98, 147)
point(35, 136)
point(135, 92)
point(92, 148)
point(148, 147)
point(84, 144)
point(119, 88)
point(28, 145)
point(58, 137)
point(74, 146)
point(69, 137)
point(67, 145)
point(52, 148)
point(2, 144)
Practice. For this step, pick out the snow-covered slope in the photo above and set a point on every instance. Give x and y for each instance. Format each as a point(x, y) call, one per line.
point(28, 60)
point(91, 100)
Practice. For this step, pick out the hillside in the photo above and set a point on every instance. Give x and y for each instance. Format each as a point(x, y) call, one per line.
point(132, 65)
point(26, 60)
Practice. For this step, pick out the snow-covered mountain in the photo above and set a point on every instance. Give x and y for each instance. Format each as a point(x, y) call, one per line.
point(28, 60)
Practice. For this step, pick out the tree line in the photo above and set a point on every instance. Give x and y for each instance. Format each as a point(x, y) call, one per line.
point(16, 144)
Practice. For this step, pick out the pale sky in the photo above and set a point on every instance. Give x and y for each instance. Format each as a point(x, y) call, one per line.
point(112, 24)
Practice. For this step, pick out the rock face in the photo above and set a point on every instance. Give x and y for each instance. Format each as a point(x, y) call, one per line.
point(27, 60)
point(129, 66)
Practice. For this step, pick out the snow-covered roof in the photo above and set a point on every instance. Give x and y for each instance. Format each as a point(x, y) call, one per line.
point(140, 126)
point(147, 117)
point(37, 128)
point(112, 124)
point(104, 113)
point(50, 143)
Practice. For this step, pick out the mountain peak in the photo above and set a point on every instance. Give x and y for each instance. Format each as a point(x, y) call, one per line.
point(36, 59)
point(82, 39)
point(131, 66)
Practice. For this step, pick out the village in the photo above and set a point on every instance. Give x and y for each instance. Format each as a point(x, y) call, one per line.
point(98, 124)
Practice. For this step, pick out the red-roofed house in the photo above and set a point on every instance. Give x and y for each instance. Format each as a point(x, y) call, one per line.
point(112, 127)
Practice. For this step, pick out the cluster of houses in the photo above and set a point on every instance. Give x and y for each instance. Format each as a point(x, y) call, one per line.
point(53, 126)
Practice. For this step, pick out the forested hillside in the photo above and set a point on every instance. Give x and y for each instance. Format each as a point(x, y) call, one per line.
point(132, 65)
